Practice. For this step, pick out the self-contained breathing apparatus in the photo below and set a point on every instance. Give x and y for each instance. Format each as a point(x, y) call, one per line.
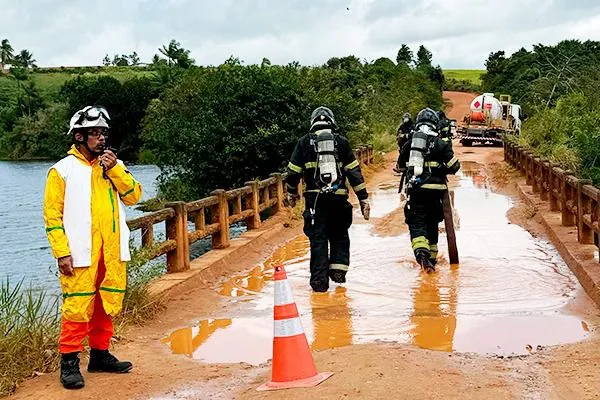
point(421, 143)
point(327, 172)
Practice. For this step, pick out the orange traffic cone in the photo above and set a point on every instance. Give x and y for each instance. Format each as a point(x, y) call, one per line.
point(293, 365)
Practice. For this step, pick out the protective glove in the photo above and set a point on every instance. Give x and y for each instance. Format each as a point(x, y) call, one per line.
point(290, 200)
point(365, 208)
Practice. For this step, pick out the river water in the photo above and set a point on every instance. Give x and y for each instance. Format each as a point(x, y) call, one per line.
point(24, 249)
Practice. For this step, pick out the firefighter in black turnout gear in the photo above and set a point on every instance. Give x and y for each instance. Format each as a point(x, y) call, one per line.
point(324, 159)
point(427, 160)
point(444, 128)
point(402, 136)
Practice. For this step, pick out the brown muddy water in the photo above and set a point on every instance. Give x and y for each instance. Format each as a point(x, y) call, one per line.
point(510, 294)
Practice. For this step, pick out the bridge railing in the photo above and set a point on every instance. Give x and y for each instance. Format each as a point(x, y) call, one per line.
point(213, 216)
point(576, 199)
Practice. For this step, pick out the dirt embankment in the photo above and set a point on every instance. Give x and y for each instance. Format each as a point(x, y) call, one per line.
point(373, 371)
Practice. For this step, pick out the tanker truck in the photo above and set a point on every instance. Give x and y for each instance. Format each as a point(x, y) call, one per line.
point(489, 120)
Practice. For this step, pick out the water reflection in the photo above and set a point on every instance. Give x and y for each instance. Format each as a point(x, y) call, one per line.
point(434, 315)
point(331, 319)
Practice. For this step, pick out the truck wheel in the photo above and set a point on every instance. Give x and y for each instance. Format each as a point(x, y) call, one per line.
point(467, 143)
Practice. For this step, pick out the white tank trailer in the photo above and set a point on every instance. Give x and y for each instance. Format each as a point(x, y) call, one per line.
point(489, 120)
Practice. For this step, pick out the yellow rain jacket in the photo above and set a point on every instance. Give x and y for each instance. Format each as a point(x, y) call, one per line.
point(84, 217)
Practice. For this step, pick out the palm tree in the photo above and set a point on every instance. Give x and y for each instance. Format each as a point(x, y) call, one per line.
point(25, 59)
point(172, 51)
point(6, 53)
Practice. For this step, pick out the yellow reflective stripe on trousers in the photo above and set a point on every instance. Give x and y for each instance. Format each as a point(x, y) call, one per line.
point(433, 248)
point(435, 186)
point(295, 168)
point(420, 242)
point(360, 187)
point(352, 165)
point(340, 267)
point(452, 161)
point(432, 164)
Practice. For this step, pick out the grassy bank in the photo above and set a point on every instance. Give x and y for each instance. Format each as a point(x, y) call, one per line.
point(30, 322)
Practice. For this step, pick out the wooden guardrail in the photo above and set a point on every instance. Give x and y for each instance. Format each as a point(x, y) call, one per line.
point(213, 216)
point(577, 199)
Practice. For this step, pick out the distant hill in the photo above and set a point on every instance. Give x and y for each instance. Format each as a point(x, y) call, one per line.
point(471, 75)
point(50, 80)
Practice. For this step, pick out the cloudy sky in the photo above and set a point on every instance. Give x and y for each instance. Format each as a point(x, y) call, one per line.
point(460, 33)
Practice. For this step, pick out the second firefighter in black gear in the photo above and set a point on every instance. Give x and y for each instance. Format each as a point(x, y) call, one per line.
point(445, 132)
point(402, 135)
point(427, 160)
point(325, 160)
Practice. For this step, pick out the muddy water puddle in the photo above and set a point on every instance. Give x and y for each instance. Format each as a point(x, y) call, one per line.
point(508, 295)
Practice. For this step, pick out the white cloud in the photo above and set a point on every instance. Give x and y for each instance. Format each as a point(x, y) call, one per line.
point(460, 33)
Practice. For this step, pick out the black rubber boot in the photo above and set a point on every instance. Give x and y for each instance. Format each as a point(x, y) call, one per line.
point(70, 375)
point(103, 361)
point(319, 286)
point(424, 261)
point(337, 275)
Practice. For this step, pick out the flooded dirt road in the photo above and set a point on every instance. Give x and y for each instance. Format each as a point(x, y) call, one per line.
point(507, 296)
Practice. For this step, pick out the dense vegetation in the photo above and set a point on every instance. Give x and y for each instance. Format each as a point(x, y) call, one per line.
point(558, 87)
point(217, 126)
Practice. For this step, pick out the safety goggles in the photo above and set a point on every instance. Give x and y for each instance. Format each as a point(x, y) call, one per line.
point(93, 113)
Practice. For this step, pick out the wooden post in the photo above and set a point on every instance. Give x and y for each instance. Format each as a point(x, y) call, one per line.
point(220, 214)
point(148, 235)
point(584, 232)
point(536, 182)
point(568, 219)
point(528, 169)
point(544, 169)
point(450, 233)
point(237, 205)
point(553, 197)
point(252, 200)
point(200, 220)
point(279, 191)
point(179, 259)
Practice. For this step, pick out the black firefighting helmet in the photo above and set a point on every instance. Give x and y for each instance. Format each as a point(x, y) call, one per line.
point(427, 117)
point(322, 118)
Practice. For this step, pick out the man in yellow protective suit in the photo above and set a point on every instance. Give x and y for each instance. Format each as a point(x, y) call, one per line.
point(86, 227)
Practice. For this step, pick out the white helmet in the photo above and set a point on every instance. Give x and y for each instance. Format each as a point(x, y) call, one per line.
point(89, 117)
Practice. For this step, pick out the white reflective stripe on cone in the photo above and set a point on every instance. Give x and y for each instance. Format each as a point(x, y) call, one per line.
point(283, 293)
point(288, 327)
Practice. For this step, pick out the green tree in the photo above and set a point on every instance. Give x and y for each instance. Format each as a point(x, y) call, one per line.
point(404, 56)
point(120, 60)
point(25, 59)
point(176, 55)
point(134, 58)
point(424, 58)
point(6, 53)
